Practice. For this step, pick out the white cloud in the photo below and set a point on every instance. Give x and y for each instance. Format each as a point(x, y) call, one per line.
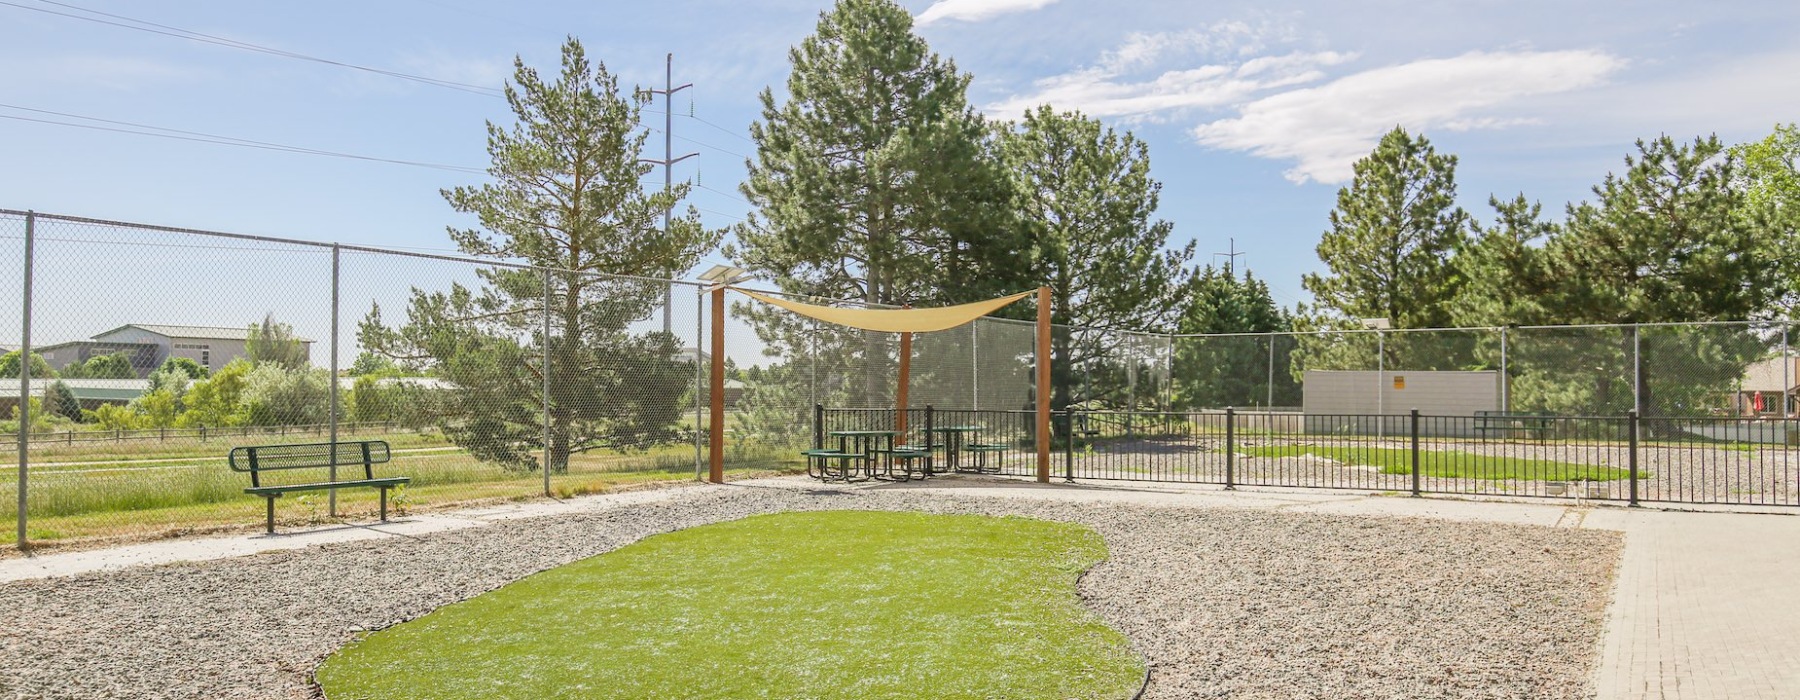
point(1221, 39)
point(1327, 127)
point(1101, 92)
point(975, 10)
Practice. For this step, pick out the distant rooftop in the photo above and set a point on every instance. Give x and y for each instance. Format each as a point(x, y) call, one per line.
point(207, 332)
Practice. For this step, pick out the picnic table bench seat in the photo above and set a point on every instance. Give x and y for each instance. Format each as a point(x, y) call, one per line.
point(1509, 422)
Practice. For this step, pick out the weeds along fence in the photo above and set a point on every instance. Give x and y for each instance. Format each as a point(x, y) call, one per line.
point(1629, 459)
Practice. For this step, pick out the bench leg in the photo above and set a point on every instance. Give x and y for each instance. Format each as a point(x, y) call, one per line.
point(270, 500)
point(384, 504)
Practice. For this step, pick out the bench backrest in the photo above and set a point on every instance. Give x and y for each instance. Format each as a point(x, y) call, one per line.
point(316, 455)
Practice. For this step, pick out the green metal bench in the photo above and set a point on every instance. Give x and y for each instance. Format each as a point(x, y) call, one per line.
point(319, 455)
point(819, 464)
point(1508, 423)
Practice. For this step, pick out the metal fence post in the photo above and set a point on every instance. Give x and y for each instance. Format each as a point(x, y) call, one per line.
point(1270, 404)
point(1230, 448)
point(1415, 453)
point(1633, 430)
point(700, 379)
point(1637, 369)
point(546, 370)
point(25, 379)
point(1505, 378)
point(975, 366)
point(818, 426)
point(332, 493)
point(1068, 443)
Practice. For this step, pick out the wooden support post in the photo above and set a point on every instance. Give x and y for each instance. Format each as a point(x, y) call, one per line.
point(716, 473)
point(905, 381)
point(1043, 384)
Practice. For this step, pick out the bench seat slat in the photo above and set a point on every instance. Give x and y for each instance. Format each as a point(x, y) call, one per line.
point(320, 486)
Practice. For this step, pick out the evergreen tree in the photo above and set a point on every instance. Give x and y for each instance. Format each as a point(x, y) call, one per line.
point(1089, 202)
point(1502, 269)
point(59, 400)
point(875, 181)
point(565, 197)
point(1224, 369)
point(1392, 235)
point(1666, 242)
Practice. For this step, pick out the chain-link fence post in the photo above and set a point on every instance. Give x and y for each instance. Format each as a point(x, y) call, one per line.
point(1637, 370)
point(700, 379)
point(1505, 378)
point(1270, 405)
point(332, 493)
point(975, 366)
point(1787, 380)
point(25, 379)
point(545, 344)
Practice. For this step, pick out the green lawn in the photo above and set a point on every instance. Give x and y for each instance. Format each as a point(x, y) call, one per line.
point(842, 604)
point(1450, 463)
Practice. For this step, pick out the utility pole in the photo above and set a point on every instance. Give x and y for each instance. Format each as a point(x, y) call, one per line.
point(1229, 257)
point(668, 162)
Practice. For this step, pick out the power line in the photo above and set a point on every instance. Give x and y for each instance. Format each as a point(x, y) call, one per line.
point(201, 137)
point(723, 192)
point(733, 134)
point(720, 213)
point(190, 35)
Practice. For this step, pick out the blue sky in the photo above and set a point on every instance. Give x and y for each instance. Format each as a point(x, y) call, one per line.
point(1253, 110)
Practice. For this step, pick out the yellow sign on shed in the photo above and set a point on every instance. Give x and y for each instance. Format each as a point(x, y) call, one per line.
point(1399, 382)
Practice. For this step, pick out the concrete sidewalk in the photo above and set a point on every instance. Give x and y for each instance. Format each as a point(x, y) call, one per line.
point(1704, 604)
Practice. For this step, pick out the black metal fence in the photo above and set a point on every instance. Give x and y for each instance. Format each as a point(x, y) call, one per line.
point(1632, 459)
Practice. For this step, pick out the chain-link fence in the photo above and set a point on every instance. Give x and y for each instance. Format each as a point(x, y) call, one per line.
point(155, 350)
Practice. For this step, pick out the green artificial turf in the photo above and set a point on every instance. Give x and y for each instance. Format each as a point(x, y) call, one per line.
point(1450, 464)
point(839, 604)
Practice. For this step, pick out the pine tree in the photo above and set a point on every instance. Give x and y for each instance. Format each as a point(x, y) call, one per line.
point(60, 400)
point(1502, 269)
point(1666, 242)
point(873, 181)
point(1089, 202)
point(565, 197)
point(1224, 368)
point(1392, 235)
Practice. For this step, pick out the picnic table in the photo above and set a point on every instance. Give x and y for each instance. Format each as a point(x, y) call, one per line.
point(862, 451)
point(967, 438)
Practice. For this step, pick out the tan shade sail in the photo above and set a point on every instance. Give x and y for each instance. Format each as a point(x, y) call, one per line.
point(894, 320)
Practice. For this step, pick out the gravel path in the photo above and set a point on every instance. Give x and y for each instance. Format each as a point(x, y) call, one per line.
point(1223, 603)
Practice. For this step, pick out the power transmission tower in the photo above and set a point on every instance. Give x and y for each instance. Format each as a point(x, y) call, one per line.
point(668, 162)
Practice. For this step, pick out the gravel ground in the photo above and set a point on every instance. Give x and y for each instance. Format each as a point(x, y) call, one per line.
point(1223, 603)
